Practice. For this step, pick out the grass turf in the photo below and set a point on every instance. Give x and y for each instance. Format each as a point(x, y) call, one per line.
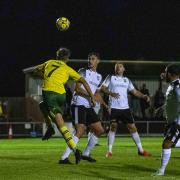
point(33, 159)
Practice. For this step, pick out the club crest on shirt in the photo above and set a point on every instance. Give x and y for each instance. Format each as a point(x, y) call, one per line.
point(125, 80)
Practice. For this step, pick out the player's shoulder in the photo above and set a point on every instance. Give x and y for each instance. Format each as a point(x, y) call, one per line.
point(109, 76)
point(82, 70)
point(51, 60)
point(126, 79)
point(54, 61)
point(176, 83)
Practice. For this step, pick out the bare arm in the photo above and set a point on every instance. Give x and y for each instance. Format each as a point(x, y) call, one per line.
point(138, 94)
point(35, 72)
point(83, 92)
point(106, 91)
point(80, 91)
point(99, 98)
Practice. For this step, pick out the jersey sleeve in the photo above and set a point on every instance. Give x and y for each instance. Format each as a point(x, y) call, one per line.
point(178, 93)
point(100, 84)
point(130, 86)
point(73, 74)
point(41, 67)
point(178, 99)
point(82, 72)
point(106, 82)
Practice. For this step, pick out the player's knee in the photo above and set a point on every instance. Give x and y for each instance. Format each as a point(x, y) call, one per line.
point(101, 130)
point(132, 128)
point(98, 131)
point(80, 129)
point(113, 126)
point(167, 144)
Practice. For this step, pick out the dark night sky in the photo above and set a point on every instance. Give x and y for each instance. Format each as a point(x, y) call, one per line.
point(118, 29)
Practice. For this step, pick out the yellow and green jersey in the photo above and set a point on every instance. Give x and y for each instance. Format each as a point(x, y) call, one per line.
point(56, 74)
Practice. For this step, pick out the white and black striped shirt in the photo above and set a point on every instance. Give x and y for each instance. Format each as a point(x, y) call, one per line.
point(94, 80)
point(121, 85)
point(172, 104)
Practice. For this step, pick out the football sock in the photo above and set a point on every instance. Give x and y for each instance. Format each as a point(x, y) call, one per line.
point(166, 154)
point(68, 137)
point(111, 138)
point(89, 135)
point(91, 143)
point(68, 151)
point(137, 141)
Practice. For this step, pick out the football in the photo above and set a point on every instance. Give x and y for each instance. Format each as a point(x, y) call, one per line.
point(62, 23)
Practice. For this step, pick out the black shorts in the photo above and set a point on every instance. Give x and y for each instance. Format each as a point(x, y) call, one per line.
point(123, 115)
point(172, 133)
point(83, 115)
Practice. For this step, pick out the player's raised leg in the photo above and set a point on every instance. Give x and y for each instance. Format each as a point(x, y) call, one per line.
point(48, 120)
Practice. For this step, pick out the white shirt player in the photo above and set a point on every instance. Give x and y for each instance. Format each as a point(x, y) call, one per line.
point(121, 85)
point(173, 102)
point(94, 80)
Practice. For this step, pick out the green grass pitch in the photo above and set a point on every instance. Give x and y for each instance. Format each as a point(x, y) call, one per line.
point(33, 159)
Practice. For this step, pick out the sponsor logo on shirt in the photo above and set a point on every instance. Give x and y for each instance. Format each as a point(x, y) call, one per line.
point(93, 83)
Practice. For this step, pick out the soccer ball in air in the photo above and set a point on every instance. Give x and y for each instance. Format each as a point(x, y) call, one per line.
point(62, 23)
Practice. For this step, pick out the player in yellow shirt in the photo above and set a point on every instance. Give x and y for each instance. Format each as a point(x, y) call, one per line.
point(55, 73)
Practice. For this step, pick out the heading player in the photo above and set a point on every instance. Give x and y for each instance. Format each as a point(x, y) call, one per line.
point(55, 74)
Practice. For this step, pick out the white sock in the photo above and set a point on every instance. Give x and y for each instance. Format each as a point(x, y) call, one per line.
point(178, 143)
point(111, 138)
point(89, 135)
point(166, 154)
point(68, 151)
point(137, 141)
point(91, 143)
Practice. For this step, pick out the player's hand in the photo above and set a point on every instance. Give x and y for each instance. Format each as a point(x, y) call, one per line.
point(115, 95)
point(159, 111)
point(146, 98)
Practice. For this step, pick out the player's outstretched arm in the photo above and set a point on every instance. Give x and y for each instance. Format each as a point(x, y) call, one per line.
point(80, 91)
point(99, 98)
point(34, 72)
point(140, 95)
point(105, 90)
point(86, 86)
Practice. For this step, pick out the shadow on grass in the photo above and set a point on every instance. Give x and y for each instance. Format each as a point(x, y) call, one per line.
point(137, 168)
point(97, 175)
point(13, 158)
point(172, 172)
point(175, 157)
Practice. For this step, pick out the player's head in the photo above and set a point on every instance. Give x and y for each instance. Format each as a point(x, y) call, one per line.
point(119, 69)
point(93, 60)
point(63, 54)
point(172, 72)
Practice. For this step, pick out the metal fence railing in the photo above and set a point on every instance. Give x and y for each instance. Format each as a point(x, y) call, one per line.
point(37, 129)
